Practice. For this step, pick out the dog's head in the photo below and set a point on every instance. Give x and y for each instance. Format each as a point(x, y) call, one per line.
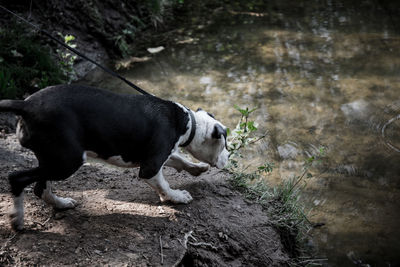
point(209, 142)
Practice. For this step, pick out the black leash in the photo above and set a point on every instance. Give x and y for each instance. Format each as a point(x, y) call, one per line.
point(113, 73)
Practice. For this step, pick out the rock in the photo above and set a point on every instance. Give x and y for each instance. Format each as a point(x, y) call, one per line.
point(356, 110)
point(287, 151)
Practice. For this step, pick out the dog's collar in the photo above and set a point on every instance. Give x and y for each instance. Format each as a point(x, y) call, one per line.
point(192, 130)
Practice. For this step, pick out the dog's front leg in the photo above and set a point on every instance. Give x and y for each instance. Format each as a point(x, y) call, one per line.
point(161, 186)
point(179, 163)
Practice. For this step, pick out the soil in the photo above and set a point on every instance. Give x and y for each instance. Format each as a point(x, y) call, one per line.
point(120, 221)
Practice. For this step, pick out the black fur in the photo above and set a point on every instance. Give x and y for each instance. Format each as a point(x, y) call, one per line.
point(219, 131)
point(59, 123)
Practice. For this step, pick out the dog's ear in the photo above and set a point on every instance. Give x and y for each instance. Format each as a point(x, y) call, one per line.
point(211, 115)
point(199, 109)
point(218, 132)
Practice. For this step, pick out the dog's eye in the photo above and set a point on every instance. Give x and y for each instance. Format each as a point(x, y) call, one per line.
point(211, 115)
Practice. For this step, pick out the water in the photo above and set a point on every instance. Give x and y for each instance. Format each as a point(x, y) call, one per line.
point(322, 73)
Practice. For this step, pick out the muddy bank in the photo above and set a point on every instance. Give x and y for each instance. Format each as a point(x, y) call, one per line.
point(120, 221)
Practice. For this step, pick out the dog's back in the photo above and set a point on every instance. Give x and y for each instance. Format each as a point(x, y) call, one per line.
point(96, 120)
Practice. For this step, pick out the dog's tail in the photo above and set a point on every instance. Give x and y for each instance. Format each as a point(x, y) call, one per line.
point(15, 106)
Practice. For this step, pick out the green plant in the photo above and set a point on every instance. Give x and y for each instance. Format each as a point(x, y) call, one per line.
point(121, 43)
point(156, 8)
point(67, 59)
point(282, 202)
point(122, 39)
point(242, 136)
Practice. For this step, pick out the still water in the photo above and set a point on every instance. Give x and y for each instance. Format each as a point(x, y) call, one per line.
point(321, 73)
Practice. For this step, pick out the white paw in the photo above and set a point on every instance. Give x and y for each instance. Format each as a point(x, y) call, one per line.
point(198, 169)
point(203, 166)
point(65, 203)
point(17, 220)
point(177, 197)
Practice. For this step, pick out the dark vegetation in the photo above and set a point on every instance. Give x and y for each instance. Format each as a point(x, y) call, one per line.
point(25, 65)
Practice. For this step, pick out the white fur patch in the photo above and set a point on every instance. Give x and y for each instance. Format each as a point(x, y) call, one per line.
point(118, 161)
point(55, 201)
point(114, 160)
point(179, 163)
point(84, 157)
point(222, 158)
point(204, 147)
point(17, 215)
point(161, 186)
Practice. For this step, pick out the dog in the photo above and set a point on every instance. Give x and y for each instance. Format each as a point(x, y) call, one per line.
point(65, 124)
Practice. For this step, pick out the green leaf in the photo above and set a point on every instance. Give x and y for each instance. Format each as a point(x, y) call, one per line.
point(126, 31)
point(251, 127)
point(267, 167)
point(251, 111)
point(69, 38)
point(322, 151)
point(244, 112)
point(15, 53)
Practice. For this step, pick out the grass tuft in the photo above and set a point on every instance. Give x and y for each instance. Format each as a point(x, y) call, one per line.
point(282, 202)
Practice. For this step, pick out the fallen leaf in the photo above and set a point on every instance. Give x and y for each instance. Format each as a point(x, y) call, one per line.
point(154, 50)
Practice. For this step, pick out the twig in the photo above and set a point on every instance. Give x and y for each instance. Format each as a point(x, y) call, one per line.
point(298, 180)
point(185, 239)
point(88, 253)
point(184, 244)
point(44, 223)
point(312, 261)
point(203, 244)
point(258, 139)
point(161, 252)
point(30, 10)
point(3, 248)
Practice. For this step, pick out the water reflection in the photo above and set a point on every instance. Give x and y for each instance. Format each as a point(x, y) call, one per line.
point(322, 73)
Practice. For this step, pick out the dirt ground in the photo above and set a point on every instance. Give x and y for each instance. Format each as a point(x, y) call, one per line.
point(120, 221)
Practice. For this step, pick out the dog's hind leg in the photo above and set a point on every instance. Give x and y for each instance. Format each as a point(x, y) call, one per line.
point(161, 186)
point(59, 163)
point(52, 166)
point(18, 181)
point(179, 163)
point(43, 190)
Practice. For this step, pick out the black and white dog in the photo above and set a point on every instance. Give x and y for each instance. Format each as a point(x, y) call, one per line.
point(64, 124)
